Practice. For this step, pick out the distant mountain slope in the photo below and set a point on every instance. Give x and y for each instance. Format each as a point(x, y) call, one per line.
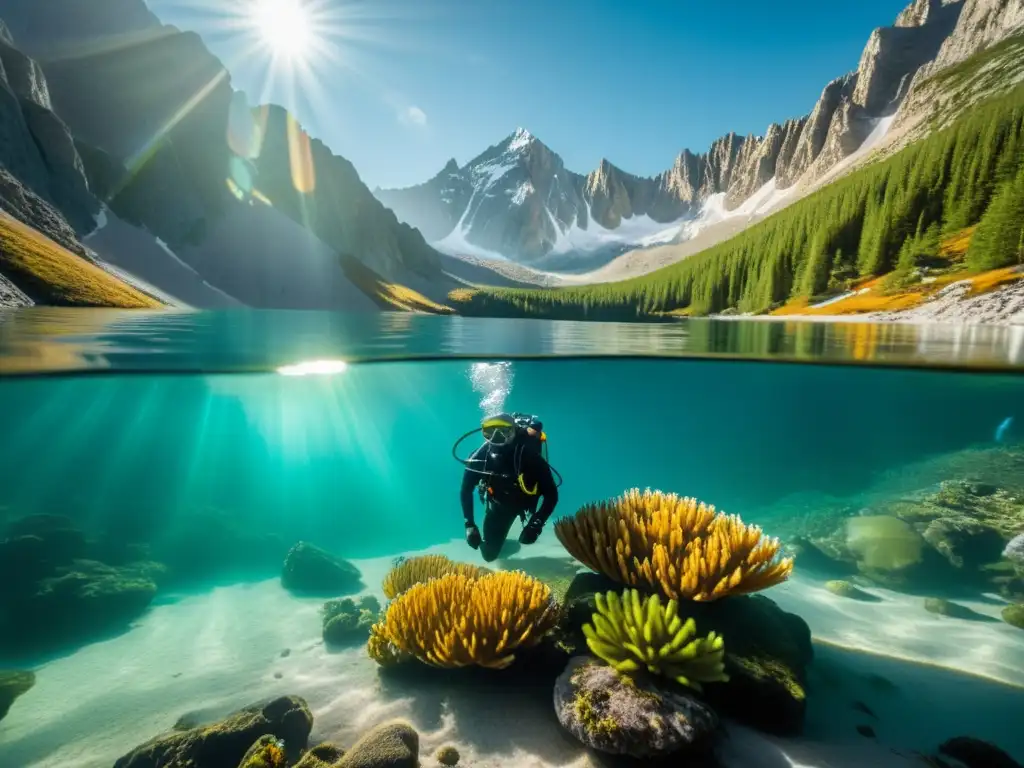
point(517, 201)
point(168, 145)
point(946, 208)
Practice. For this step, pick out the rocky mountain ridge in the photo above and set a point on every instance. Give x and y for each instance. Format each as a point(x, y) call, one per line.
point(517, 200)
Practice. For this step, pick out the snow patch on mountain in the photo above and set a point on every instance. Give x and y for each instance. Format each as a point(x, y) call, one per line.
point(636, 231)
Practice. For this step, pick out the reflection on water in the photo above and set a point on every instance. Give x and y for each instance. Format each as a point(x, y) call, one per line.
point(47, 339)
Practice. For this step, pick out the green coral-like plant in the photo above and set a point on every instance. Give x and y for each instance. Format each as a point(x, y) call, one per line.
point(633, 633)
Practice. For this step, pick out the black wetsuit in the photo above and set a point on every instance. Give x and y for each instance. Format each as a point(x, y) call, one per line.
point(506, 500)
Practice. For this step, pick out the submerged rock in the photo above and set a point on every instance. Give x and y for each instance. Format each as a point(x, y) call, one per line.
point(345, 623)
point(390, 745)
point(1014, 615)
point(975, 753)
point(82, 602)
point(623, 715)
point(767, 651)
point(324, 755)
point(943, 607)
point(309, 569)
point(846, 589)
point(447, 755)
point(13, 685)
point(226, 743)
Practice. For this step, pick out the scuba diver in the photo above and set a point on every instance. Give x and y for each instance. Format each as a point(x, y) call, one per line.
point(511, 472)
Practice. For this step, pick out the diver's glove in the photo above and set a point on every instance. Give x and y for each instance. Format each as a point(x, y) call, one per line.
point(531, 531)
point(473, 536)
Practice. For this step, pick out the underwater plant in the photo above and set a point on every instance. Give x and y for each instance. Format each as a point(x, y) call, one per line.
point(416, 570)
point(457, 620)
point(673, 545)
point(633, 634)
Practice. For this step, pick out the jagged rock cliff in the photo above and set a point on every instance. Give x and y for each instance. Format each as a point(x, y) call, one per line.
point(44, 183)
point(508, 206)
point(153, 113)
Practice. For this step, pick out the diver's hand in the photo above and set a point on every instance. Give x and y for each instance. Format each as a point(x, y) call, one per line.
point(473, 536)
point(531, 531)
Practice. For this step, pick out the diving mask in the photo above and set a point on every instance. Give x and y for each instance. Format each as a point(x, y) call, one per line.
point(498, 430)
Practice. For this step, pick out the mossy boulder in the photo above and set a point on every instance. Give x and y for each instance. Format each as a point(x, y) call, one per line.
point(630, 715)
point(227, 742)
point(12, 685)
point(767, 651)
point(1014, 615)
point(850, 591)
point(390, 745)
point(323, 755)
point(943, 607)
point(311, 570)
point(82, 602)
point(347, 623)
point(447, 755)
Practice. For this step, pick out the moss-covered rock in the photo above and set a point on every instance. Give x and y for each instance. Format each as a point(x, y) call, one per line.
point(1014, 615)
point(323, 755)
point(82, 602)
point(942, 607)
point(346, 623)
point(12, 685)
point(447, 755)
point(311, 570)
point(629, 715)
point(226, 743)
point(767, 649)
point(390, 745)
point(850, 591)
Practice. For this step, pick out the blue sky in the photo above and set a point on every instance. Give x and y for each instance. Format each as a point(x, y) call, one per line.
point(400, 86)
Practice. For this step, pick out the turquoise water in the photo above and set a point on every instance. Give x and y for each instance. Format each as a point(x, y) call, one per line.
point(362, 460)
point(186, 440)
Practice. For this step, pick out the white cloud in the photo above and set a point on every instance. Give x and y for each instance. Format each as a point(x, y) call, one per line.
point(413, 115)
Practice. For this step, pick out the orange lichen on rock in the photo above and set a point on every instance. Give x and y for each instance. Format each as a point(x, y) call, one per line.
point(673, 545)
point(416, 570)
point(458, 621)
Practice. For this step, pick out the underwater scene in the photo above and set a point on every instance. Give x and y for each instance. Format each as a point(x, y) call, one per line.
point(365, 561)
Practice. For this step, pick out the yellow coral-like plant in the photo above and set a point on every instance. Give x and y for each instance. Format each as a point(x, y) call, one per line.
point(632, 634)
point(673, 545)
point(416, 570)
point(458, 621)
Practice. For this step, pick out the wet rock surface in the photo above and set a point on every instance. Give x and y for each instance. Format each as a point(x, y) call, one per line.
point(311, 570)
point(390, 745)
point(627, 716)
point(767, 649)
point(12, 685)
point(226, 743)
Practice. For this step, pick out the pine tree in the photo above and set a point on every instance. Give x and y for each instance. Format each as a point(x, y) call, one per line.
point(997, 242)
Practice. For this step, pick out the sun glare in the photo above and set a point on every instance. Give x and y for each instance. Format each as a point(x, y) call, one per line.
point(285, 26)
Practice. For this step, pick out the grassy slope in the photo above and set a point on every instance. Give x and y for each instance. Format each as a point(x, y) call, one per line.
point(55, 276)
point(391, 296)
point(947, 95)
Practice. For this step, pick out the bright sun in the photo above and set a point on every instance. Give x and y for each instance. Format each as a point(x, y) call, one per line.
point(285, 26)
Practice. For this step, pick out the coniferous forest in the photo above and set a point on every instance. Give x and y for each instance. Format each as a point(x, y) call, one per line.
point(888, 218)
